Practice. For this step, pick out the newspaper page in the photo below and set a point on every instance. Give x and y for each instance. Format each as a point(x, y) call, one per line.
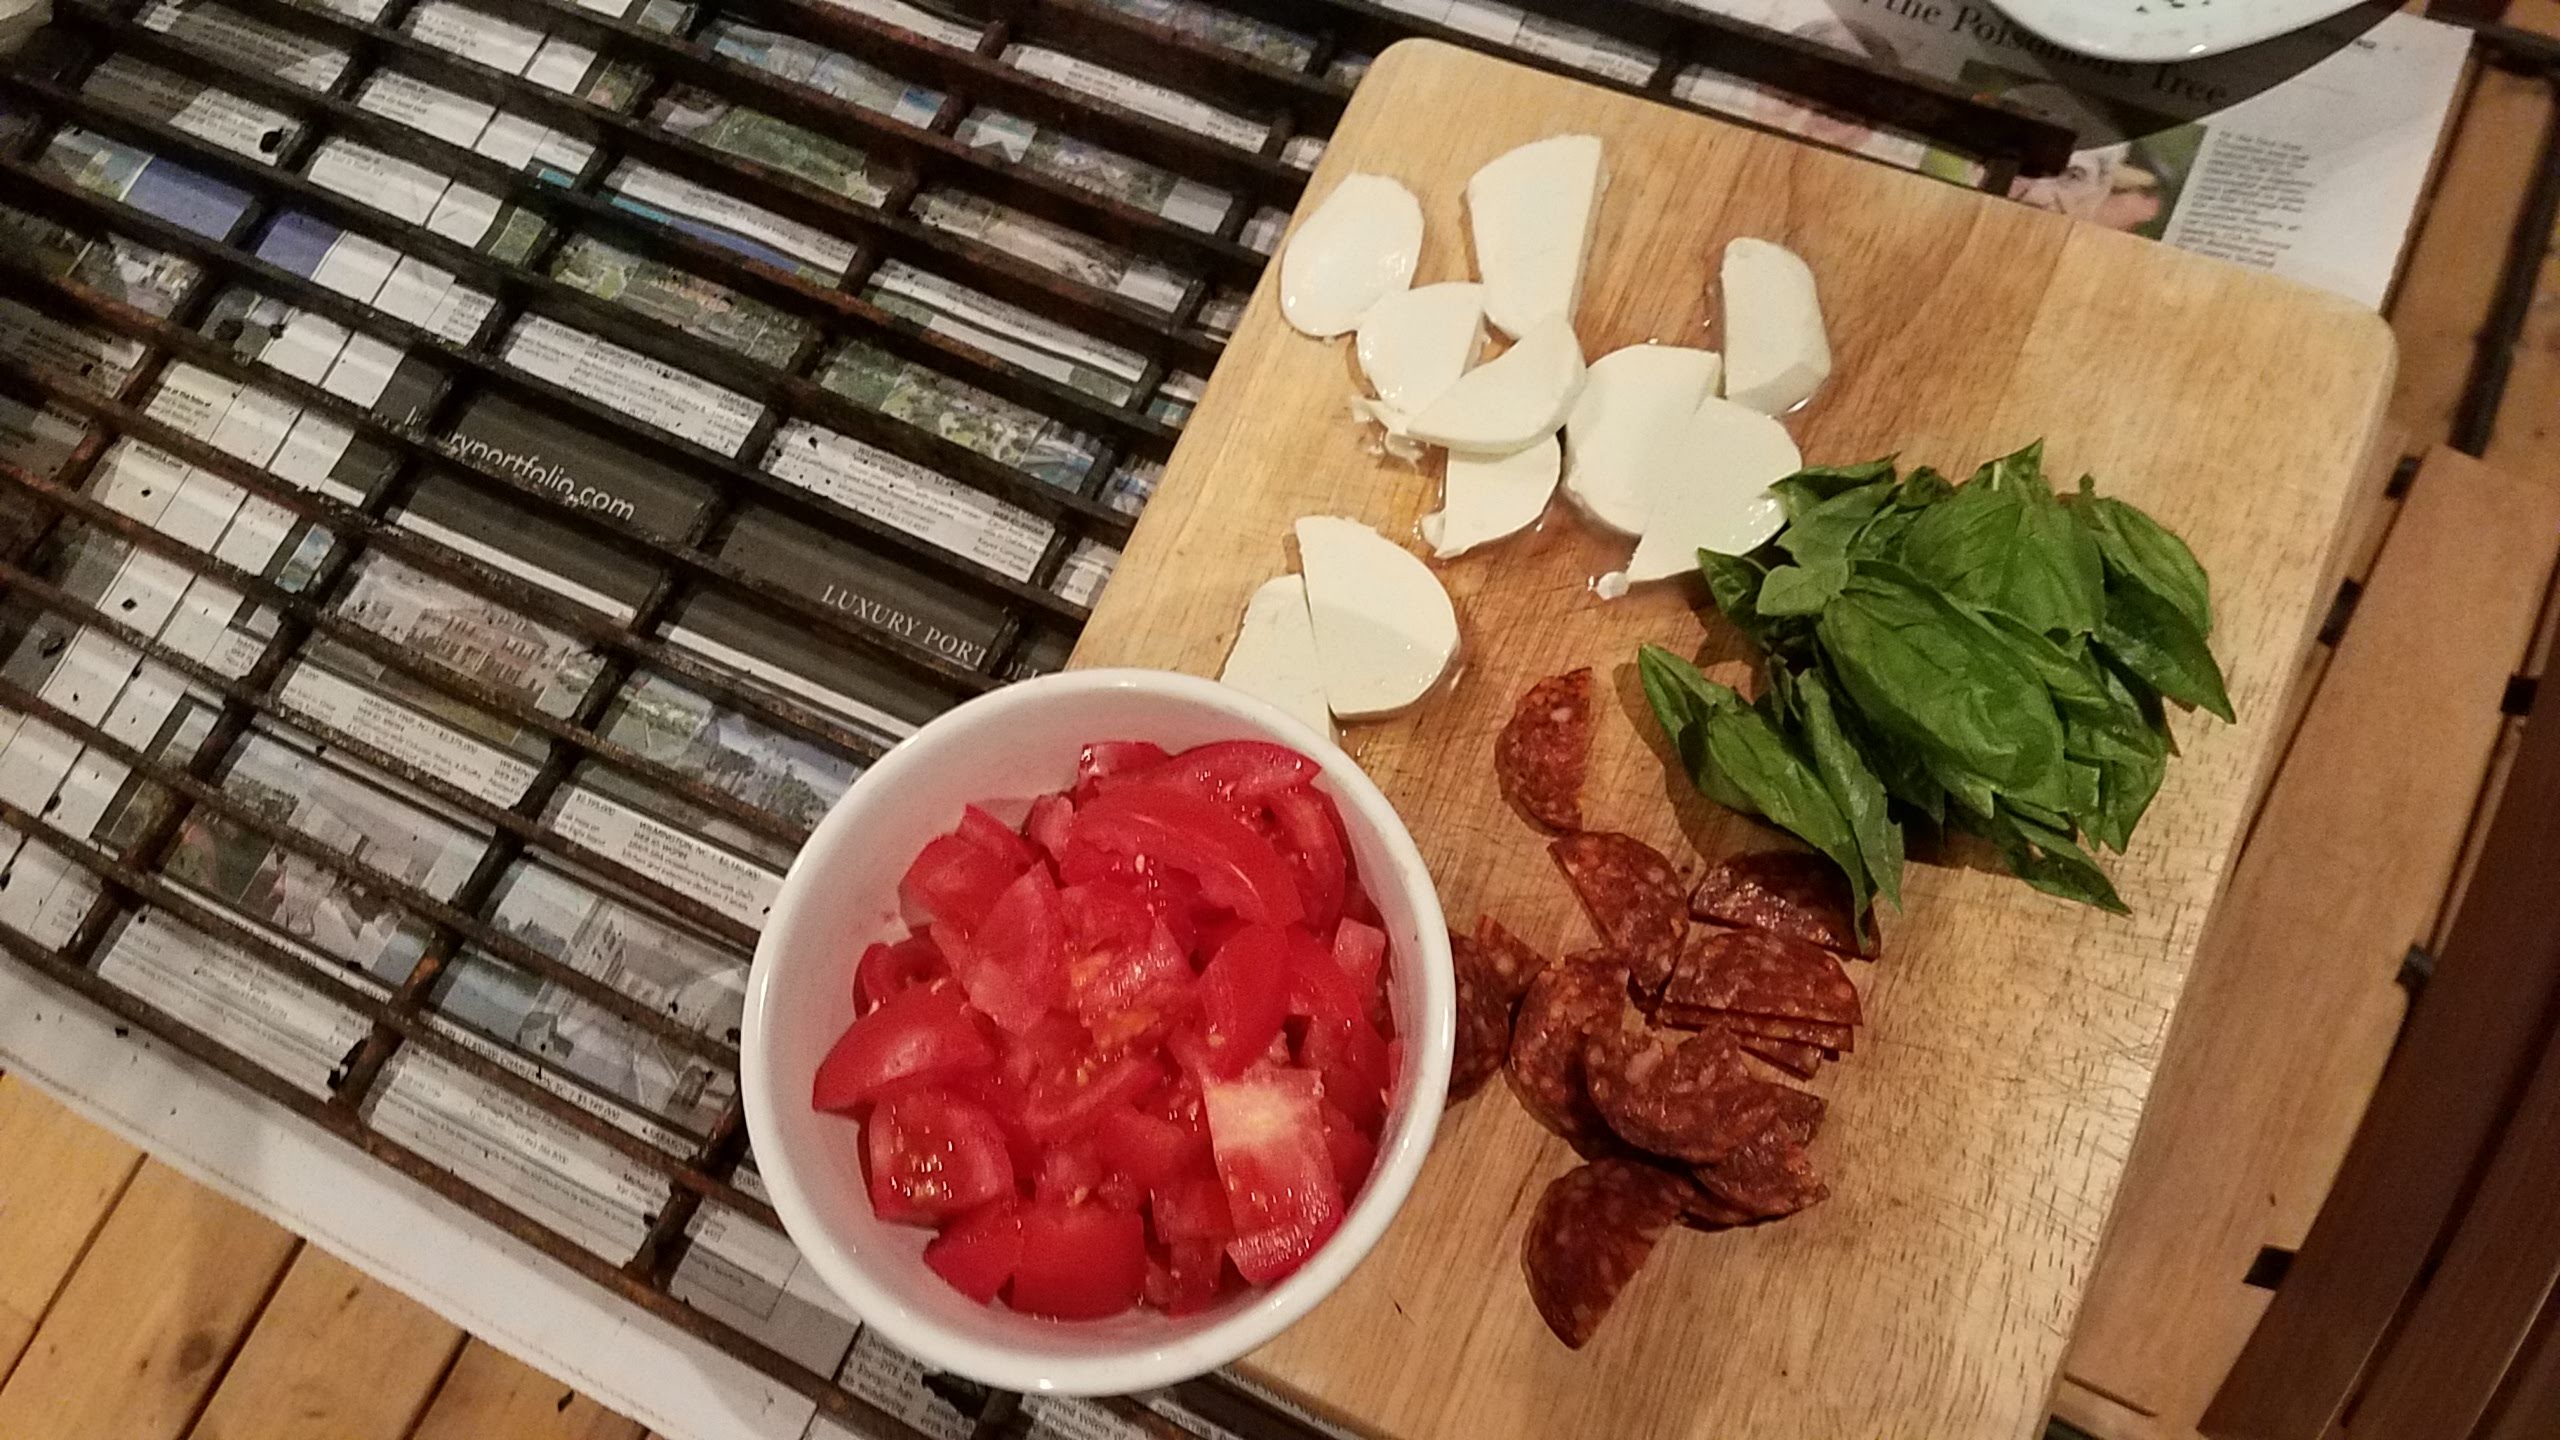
point(1052, 247)
point(117, 268)
point(1154, 101)
point(710, 216)
point(864, 478)
point(1009, 434)
point(1107, 372)
point(934, 25)
point(775, 652)
point(832, 71)
point(2305, 156)
point(752, 135)
point(217, 116)
point(253, 44)
point(1540, 35)
point(706, 310)
point(357, 367)
point(1273, 45)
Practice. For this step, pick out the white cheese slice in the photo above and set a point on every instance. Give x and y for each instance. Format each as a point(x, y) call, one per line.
point(1532, 212)
point(1509, 401)
point(1385, 630)
point(1274, 657)
point(1414, 344)
point(1484, 498)
point(1723, 502)
point(1775, 352)
point(1624, 434)
point(1361, 244)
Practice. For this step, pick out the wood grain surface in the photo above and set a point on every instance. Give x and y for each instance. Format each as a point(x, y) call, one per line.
point(60, 1177)
point(337, 1355)
point(1976, 1138)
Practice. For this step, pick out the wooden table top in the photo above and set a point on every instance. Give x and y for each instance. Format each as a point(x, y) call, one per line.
point(1976, 1137)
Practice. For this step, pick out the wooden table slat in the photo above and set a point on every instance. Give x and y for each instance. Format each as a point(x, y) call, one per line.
point(59, 1179)
point(337, 1355)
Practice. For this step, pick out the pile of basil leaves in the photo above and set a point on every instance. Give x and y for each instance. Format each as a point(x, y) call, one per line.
point(1988, 657)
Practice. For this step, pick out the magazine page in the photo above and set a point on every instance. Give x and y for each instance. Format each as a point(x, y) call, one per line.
point(1145, 97)
point(513, 537)
point(791, 779)
point(832, 71)
point(1273, 45)
point(237, 39)
point(643, 387)
point(1042, 346)
point(1052, 247)
point(1097, 169)
point(121, 82)
point(1045, 449)
point(39, 441)
point(710, 216)
point(136, 177)
point(117, 267)
point(752, 135)
point(779, 653)
point(357, 367)
point(863, 478)
point(704, 309)
point(881, 593)
point(2304, 156)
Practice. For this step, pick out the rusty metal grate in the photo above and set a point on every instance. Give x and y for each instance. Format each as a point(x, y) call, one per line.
point(344, 629)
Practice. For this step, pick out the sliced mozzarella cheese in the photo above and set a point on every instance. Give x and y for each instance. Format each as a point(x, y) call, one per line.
point(1385, 630)
point(1274, 657)
point(1485, 498)
point(1625, 430)
point(1775, 352)
point(1509, 401)
point(1532, 212)
point(1414, 344)
point(1723, 502)
point(1360, 245)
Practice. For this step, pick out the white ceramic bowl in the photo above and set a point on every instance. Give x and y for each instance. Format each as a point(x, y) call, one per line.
point(841, 895)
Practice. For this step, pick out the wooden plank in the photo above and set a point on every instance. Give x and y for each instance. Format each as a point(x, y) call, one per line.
point(2446, 1364)
point(2103, 1417)
point(59, 1179)
point(1974, 1142)
point(337, 1355)
point(2530, 1410)
point(146, 1325)
point(2451, 277)
point(490, 1393)
point(2349, 859)
point(2470, 1041)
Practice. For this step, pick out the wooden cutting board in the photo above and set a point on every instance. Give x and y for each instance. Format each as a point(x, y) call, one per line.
point(1975, 1138)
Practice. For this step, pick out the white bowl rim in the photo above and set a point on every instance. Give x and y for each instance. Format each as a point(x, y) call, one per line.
point(1153, 1365)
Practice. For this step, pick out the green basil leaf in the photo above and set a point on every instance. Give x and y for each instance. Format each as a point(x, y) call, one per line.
point(2012, 549)
point(2140, 549)
point(1917, 667)
point(1921, 489)
point(1803, 589)
point(1749, 757)
point(1733, 582)
point(1682, 698)
point(1854, 788)
point(1825, 481)
point(2047, 858)
point(2019, 471)
point(1823, 531)
point(2151, 637)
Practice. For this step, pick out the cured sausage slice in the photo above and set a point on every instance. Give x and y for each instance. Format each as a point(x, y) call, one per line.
point(1793, 1056)
point(1754, 972)
point(1633, 897)
point(1785, 892)
point(1504, 962)
point(1591, 1233)
point(1696, 1100)
point(1544, 751)
point(1484, 1036)
point(1565, 1003)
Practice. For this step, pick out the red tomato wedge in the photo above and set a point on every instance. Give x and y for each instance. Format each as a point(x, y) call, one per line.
point(1356, 1066)
point(1194, 1208)
point(977, 1253)
point(1244, 999)
point(1126, 975)
point(1068, 1099)
point(1236, 868)
point(1361, 951)
point(922, 1035)
point(1014, 966)
point(996, 838)
point(1188, 1279)
point(1104, 760)
point(1311, 841)
point(1079, 1262)
point(1233, 770)
point(1052, 819)
point(1268, 1131)
point(884, 970)
point(1352, 1151)
point(953, 882)
point(1149, 1149)
point(932, 1155)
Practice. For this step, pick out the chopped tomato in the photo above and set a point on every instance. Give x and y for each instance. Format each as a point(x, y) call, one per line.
point(1352, 1150)
point(1361, 951)
point(1069, 1173)
point(1068, 1099)
point(1311, 840)
point(1244, 998)
point(1014, 967)
point(1188, 1278)
point(1126, 976)
point(932, 1155)
point(1351, 1056)
point(1052, 818)
point(1193, 1208)
point(953, 883)
point(922, 1035)
point(1079, 1262)
point(1150, 1149)
point(1318, 987)
point(996, 838)
point(1104, 759)
point(1233, 770)
point(977, 1253)
point(1236, 868)
point(1268, 1131)
point(884, 970)
point(1170, 895)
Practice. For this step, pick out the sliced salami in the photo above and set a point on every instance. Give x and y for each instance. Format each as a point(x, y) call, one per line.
point(1702, 1211)
point(1839, 1039)
point(1770, 1177)
point(1793, 1056)
point(1484, 1037)
point(1785, 892)
point(1696, 1100)
point(1633, 897)
point(1755, 972)
point(1565, 1003)
point(1504, 962)
point(1591, 1233)
point(1544, 752)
